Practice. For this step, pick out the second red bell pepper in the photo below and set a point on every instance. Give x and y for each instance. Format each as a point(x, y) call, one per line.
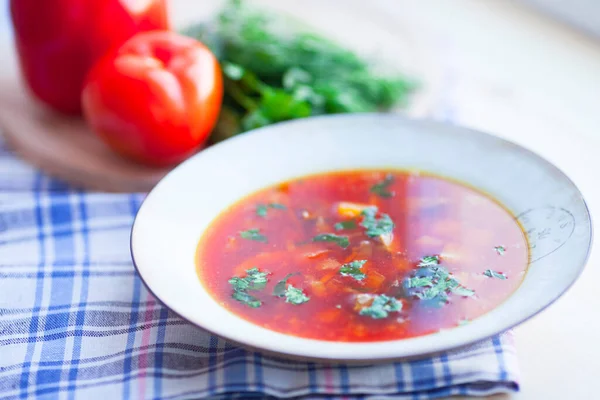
point(58, 41)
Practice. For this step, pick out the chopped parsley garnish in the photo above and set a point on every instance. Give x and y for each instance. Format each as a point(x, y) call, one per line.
point(341, 241)
point(500, 250)
point(381, 189)
point(353, 269)
point(376, 226)
point(418, 282)
point(253, 234)
point(340, 226)
point(381, 306)
point(247, 299)
point(462, 291)
point(493, 274)
point(433, 282)
point(279, 289)
point(261, 209)
point(254, 280)
point(295, 296)
point(428, 261)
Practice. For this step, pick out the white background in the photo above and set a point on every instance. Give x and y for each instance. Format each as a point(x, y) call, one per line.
point(510, 71)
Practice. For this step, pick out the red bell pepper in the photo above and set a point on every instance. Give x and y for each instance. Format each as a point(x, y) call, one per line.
point(58, 41)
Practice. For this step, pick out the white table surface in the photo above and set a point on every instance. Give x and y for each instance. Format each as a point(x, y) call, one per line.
point(518, 74)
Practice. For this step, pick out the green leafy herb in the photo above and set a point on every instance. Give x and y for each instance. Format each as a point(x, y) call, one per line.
point(340, 226)
point(432, 282)
point(341, 241)
point(254, 280)
point(376, 226)
point(261, 209)
point(419, 282)
point(493, 274)
point(381, 189)
point(353, 269)
point(462, 291)
point(279, 289)
point(247, 299)
point(239, 284)
point(381, 306)
point(500, 250)
point(253, 234)
point(428, 261)
point(275, 73)
point(295, 296)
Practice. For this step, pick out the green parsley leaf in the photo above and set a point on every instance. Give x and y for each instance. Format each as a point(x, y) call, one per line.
point(353, 269)
point(340, 226)
point(247, 299)
point(381, 189)
point(434, 283)
point(341, 241)
point(261, 210)
point(381, 306)
point(419, 282)
point(295, 296)
point(376, 226)
point(233, 71)
point(274, 72)
point(279, 289)
point(239, 284)
point(494, 274)
point(500, 250)
point(254, 280)
point(437, 292)
point(258, 280)
point(253, 234)
point(429, 261)
point(462, 291)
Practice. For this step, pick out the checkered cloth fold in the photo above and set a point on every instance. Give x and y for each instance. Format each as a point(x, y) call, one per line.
point(76, 321)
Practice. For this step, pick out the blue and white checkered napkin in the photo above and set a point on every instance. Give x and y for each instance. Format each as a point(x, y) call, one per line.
point(77, 323)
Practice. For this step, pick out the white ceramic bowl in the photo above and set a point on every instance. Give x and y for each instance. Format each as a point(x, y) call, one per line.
point(175, 214)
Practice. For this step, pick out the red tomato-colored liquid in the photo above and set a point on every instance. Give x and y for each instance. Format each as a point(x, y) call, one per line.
point(466, 231)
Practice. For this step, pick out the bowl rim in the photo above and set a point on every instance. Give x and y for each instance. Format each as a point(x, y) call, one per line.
point(299, 355)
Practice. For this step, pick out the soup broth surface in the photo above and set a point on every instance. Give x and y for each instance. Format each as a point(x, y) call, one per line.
point(362, 256)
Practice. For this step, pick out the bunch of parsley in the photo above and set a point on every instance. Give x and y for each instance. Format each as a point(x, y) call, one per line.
point(273, 75)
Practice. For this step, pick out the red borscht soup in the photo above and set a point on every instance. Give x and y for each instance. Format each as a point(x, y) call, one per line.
point(363, 256)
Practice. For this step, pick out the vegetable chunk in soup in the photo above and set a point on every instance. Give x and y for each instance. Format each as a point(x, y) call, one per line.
point(363, 256)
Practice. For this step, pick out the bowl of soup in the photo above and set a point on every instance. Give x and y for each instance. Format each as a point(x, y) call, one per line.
point(361, 237)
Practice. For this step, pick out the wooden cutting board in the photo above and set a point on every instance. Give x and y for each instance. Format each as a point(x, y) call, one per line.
point(65, 147)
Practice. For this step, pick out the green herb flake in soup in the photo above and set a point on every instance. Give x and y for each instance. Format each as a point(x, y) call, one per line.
point(253, 234)
point(341, 241)
point(353, 269)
